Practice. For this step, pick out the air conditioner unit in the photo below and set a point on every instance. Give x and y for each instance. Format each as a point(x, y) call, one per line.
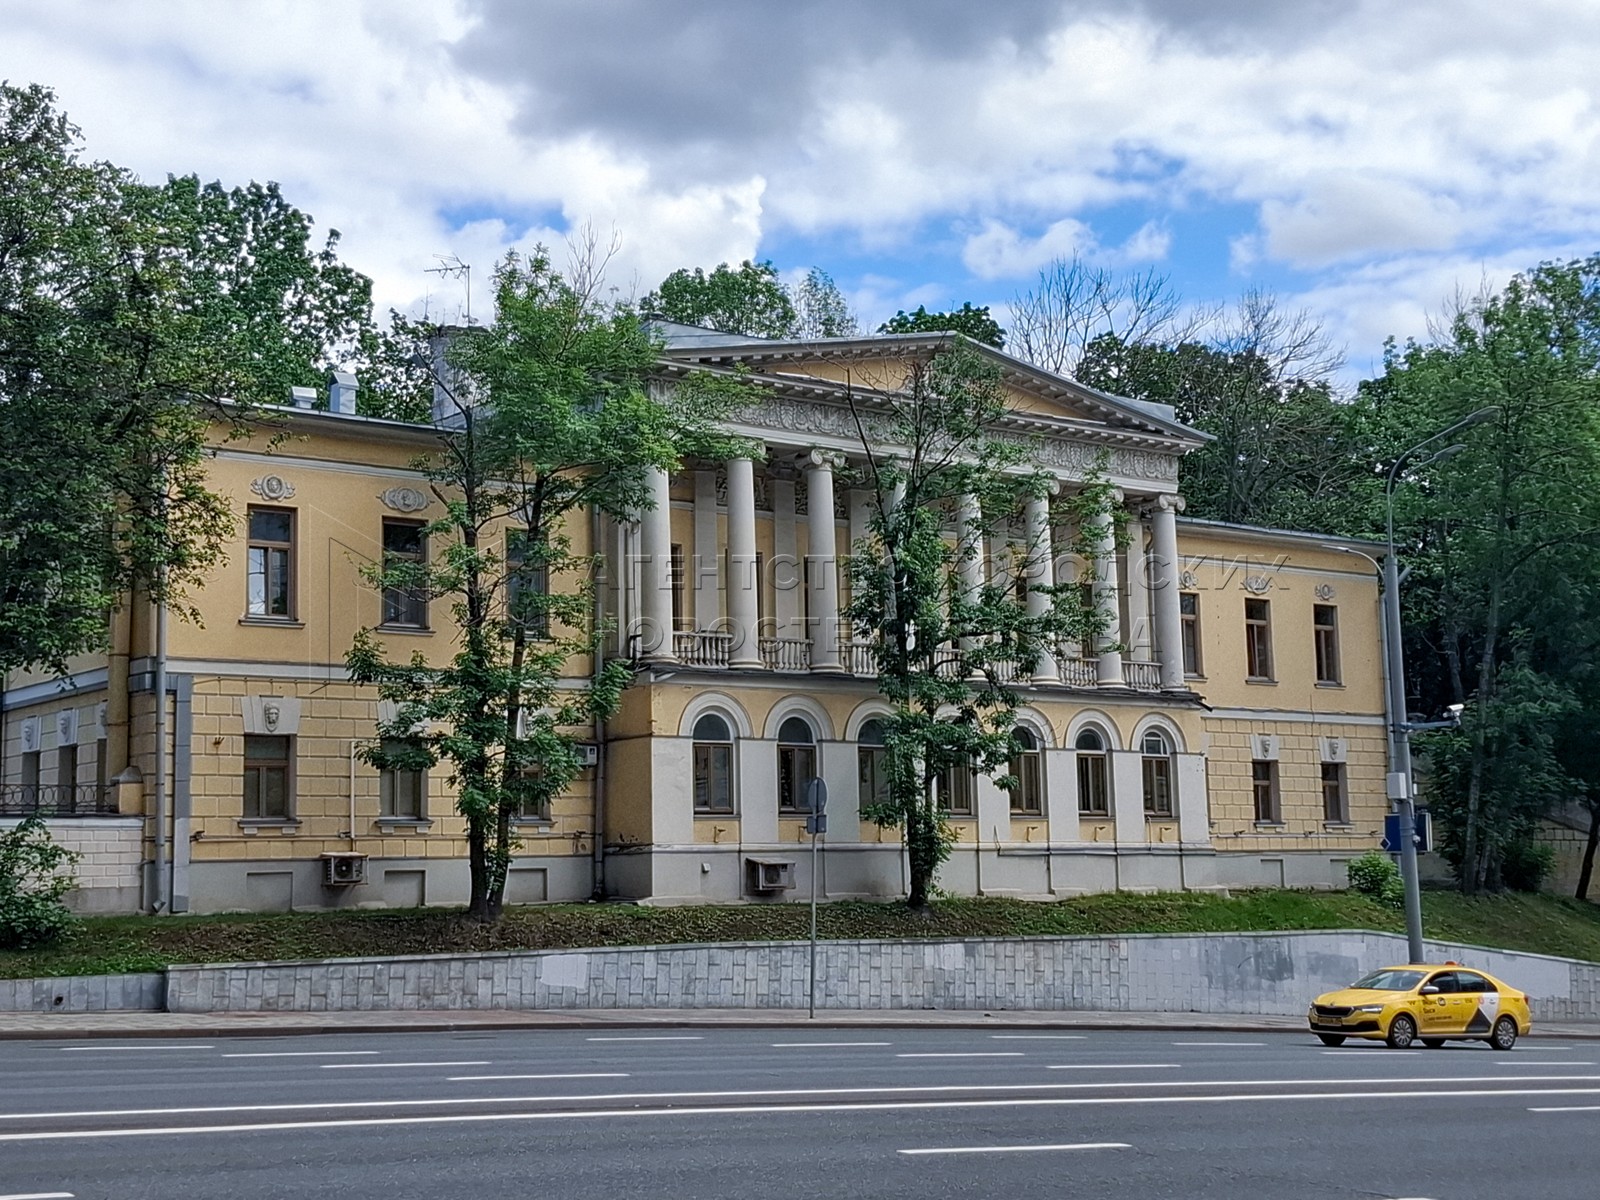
point(588, 754)
point(343, 870)
point(770, 874)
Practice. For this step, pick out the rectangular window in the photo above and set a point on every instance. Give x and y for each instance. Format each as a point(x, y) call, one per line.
point(403, 543)
point(713, 777)
point(1189, 613)
point(30, 775)
point(1264, 784)
point(797, 766)
point(679, 577)
point(102, 769)
point(526, 583)
point(1335, 794)
point(266, 778)
point(1325, 622)
point(270, 563)
point(1093, 795)
point(955, 790)
point(1258, 639)
point(66, 772)
point(402, 794)
point(1027, 798)
point(872, 776)
point(1157, 786)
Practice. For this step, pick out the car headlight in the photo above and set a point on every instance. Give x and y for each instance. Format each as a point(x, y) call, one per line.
point(1370, 1008)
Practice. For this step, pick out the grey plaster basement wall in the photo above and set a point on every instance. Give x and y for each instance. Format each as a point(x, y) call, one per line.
point(1274, 973)
point(85, 994)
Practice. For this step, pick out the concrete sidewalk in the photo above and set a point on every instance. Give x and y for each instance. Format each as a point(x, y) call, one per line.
point(175, 1025)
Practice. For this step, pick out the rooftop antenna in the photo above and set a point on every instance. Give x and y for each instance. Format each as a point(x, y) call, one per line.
point(451, 267)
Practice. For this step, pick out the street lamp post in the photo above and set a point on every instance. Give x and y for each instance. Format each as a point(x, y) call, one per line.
point(1400, 787)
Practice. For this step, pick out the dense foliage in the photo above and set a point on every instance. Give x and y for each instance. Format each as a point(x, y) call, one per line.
point(35, 873)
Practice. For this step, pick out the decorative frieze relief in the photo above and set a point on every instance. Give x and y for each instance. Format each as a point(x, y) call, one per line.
point(1325, 591)
point(1078, 458)
point(272, 488)
point(404, 499)
point(271, 714)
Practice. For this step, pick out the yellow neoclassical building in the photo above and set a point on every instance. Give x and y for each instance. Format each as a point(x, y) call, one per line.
point(1230, 732)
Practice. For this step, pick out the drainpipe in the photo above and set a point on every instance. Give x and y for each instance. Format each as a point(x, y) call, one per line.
point(160, 896)
point(598, 846)
point(117, 692)
point(182, 775)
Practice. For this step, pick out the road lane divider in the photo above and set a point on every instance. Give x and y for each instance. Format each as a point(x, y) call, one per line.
point(1018, 1149)
point(392, 1066)
point(298, 1053)
point(588, 1074)
point(822, 1045)
point(961, 1054)
point(1112, 1066)
point(119, 1049)
point(1039, 1037)
point(783, 1093)
point(965, 1104)
point(1230, 1044)
point(650, 1037)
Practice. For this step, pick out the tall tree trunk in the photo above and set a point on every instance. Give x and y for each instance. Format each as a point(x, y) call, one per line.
point(1474, 857)
point(1586, 872)
point(478, 869)
point(922, 858)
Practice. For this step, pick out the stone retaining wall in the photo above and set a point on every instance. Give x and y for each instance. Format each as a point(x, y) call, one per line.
point(85, 994)
point(1275, 973)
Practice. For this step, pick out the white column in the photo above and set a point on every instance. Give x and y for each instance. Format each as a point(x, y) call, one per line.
point(1164, 566)
point(1137, 621)
point(972, 548)
point(822, 563)
point(655, 527)
point(1105, 599)
point(1041, 573)
point(705, 563)
point(788, 577)
point(743, 607)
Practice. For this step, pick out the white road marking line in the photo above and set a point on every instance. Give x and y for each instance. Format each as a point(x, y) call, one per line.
point(905, 1090)
point(1566, 1062)
point(1219, 1043)
point(1571, 1108)
point(1039, 1037)
point(1018, 1149)
point(814, 1045)
point(389, 1066)
point(649, 1038)
point(596, 1074)
point(98, 1049)
point(767, 1110)
point(962, 1054)
point(1110, 1066)
point(300, 1054)
point(38, 1196)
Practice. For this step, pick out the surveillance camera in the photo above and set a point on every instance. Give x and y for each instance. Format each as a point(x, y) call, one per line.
point(1455, 710)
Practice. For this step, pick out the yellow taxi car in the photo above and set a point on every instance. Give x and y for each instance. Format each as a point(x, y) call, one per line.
point(1430, 1004)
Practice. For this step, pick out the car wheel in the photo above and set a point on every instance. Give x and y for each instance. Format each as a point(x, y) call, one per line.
point(1433, 1043)
point(1402, 1032)
point(1505, 1034)
point(1331, 1039)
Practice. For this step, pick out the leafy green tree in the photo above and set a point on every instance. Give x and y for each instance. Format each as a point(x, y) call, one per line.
point(822, 311)
point(1502, 536)
point(35, 874)
point(949, 642)
point(749, 300)
point(132, 319)
point(552, 421)
point(975, 323)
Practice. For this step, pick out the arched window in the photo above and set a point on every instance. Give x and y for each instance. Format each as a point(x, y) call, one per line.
point(1157, 752)
point(872, 765)
point(797, 764)
point(1094, 794)
point(713, 765)
point(1027, 797)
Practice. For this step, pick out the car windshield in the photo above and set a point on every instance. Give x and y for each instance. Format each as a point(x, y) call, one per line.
point(1390, 981)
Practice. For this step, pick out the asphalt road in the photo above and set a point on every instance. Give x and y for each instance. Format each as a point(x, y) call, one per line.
point(768, 1114)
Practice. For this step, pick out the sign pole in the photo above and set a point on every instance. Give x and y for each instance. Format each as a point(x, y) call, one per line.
point(816, 822)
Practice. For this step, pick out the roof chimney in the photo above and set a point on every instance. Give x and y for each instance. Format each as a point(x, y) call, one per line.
point(303, 397)
point(342, 392)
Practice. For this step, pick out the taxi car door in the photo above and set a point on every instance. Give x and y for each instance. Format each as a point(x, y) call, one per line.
point(1447, 1011)
point(1480, 1002)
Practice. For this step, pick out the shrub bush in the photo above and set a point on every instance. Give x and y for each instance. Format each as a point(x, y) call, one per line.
point(35, 873)
point(1527, 865)
point(1373, 874)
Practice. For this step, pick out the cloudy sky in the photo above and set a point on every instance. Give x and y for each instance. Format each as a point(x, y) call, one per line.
point(1362, 158)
